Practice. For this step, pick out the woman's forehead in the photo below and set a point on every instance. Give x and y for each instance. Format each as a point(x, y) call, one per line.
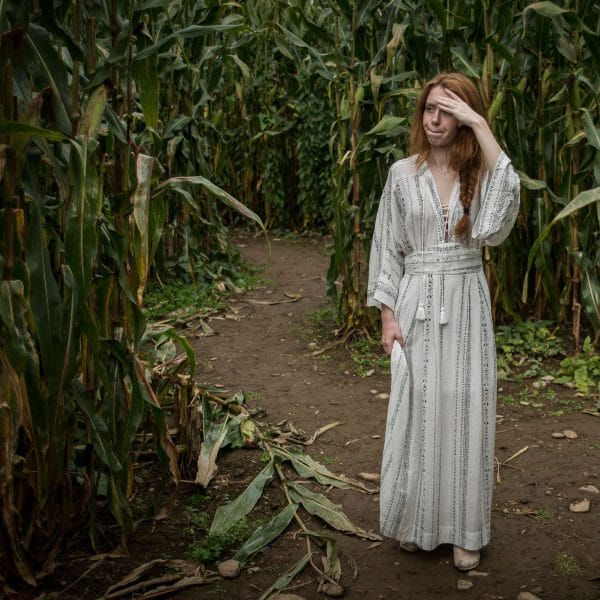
point(437, 92)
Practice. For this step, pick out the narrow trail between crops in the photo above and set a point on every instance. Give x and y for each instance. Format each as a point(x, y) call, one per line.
point(264, 343)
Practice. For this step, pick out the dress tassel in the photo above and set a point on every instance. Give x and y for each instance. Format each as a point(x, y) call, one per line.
point(443, 316)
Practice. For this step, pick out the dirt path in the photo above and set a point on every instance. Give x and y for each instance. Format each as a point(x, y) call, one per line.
point(535, 537)
point(263, 346)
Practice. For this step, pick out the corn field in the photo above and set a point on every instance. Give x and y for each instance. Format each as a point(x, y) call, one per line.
point(136, 133)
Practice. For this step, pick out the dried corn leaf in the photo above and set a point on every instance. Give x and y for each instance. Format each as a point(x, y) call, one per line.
point(307, 467)
point(320, 506)
point(135, 574)
point(229, 514)
point(319, 432)
point(170, 590)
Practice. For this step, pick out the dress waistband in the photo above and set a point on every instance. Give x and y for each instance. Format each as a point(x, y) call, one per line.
point(449, 261)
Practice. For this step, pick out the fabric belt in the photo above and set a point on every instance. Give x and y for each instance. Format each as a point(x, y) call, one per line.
point(449, 261)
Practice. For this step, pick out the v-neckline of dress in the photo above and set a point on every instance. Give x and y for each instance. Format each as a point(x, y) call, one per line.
point(436, 203)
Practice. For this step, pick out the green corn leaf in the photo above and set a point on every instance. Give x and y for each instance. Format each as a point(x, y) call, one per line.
point(367, 11)
point(115, 125)
point(537, 184)
point(590, 295)
point(45, 295)
point(103, 444)
point(191, 31)
point(229, 514)
point(119, 506)
point(80, 236)
point(215, 436)
point(591, 131)
point(50, 70)
point(464, 65)
point(145, 72)
point(266, 533)
point(220, 193)
point(321, 68)
point(287, 577)
point(16, 128)
point(334, 569)
point(319, 505)
point(580, 201)
point(387, 126)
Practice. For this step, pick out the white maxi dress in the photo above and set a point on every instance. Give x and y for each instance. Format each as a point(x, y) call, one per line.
point(437, 471)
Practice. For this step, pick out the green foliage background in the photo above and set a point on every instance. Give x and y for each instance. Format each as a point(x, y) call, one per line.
point(135, 133)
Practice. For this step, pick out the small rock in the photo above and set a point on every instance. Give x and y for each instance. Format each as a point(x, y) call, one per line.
point(548, 378)
point(334, 590)
point(374, 392)
point(229, 569)
point(558, 435)
point(382, 396)
point(527, 596)
point(369, 476)
point(580, 506)
point(289, 597)
point(253, 570)
point(589, 489)
point(464, 584)
point(570, 435)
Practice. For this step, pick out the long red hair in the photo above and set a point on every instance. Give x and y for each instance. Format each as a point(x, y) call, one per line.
point(466, 157)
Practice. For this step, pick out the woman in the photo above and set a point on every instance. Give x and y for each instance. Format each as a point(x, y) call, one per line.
point(455, 193)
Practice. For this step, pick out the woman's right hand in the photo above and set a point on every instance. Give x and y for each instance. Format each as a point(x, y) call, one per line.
point(390, 330)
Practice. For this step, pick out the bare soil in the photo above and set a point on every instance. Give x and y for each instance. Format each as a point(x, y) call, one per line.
point(264, 346)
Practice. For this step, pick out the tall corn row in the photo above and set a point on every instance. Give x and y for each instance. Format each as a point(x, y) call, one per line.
point(537, 67)
point(83, 203)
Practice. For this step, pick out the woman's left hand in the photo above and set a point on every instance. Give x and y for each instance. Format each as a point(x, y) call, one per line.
point(458, 108)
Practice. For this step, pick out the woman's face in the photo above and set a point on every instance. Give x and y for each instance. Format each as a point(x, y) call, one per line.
point(440, 127)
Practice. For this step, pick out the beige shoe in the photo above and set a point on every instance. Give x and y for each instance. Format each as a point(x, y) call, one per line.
point(465, 560)
point(409, 546)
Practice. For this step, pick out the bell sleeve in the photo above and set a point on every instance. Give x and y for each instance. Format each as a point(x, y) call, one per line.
point(499, 203)
point(386, 261)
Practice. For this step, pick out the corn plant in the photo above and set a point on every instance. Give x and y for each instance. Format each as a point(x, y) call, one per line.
point(83, 204)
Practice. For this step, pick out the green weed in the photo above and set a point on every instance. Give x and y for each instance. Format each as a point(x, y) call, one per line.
point(367, 355)
point(523, 347)
point(567, 564)
point(198, 499)
point(184, 299)
point(583, 370)
point(328, 460)
point(544, 515)
point(210, 548)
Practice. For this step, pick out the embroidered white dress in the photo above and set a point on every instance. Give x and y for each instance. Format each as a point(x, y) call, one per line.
point(437, 471)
